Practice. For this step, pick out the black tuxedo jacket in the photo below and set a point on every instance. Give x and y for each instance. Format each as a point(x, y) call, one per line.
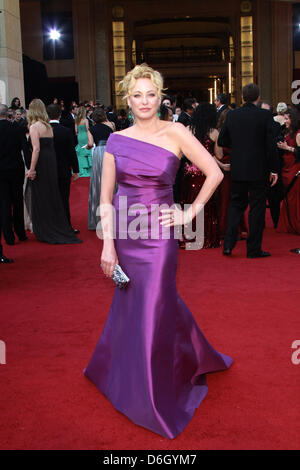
point(66, 156)
point(68, 121)
point(185, 118)
point(12, 142)
point(249, 132)
point(219, 112)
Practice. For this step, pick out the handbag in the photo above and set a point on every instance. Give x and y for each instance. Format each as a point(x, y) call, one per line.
point(119, 277)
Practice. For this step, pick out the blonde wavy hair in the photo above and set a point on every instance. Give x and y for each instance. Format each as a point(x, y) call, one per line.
point(81, 114)
point(140, 71)
point(37, 113)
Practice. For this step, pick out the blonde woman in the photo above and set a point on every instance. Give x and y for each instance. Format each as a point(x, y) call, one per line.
point(84, 154)
point(152, 358)
point(49, 222)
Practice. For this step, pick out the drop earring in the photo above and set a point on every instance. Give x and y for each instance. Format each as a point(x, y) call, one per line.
point(131, 115)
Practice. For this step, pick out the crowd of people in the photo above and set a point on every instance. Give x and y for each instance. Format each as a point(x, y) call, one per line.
point(60, 144)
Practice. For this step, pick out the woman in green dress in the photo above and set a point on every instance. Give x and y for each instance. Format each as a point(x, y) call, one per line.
point(83, 153)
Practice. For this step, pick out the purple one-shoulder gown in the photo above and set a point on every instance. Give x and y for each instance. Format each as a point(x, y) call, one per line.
point(151, 358)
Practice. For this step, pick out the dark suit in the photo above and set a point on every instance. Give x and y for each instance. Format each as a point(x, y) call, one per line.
point(67, 120)
point(185, 118)
point(248, 131)
point(220, 110)
point(12, 142)
point(66, 161)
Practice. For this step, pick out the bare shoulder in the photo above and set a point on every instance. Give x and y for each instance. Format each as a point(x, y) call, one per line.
point(40, 130)
point(35, 129)
point(176, 129)
point(35, 125)
point(178, 133)
point(121, 132)
point(127, 132)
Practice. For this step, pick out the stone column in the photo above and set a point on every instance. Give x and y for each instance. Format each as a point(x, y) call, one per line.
point(264, 49)
point(282, 51)
point(102, 55)
point(84, 45)
point(11, 64)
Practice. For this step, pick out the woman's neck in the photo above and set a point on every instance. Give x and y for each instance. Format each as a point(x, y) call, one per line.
point(149, 126)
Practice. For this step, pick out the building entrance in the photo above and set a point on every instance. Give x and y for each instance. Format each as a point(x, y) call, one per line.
point(193, 54)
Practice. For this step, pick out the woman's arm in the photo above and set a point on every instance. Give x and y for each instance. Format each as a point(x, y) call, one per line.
point(217, 150)
point(90, 143)
point(35, 142)
point(108, 181)
point(76, 129)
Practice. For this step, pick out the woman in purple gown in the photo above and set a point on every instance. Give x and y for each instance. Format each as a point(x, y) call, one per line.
point(151, 358)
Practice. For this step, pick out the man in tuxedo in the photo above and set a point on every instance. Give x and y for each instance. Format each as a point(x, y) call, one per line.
point(248, 131)
point(68, 120)
point(12, 172)
point(112, 117)
point(221, 103)
point(65, 156)
point(185, 117)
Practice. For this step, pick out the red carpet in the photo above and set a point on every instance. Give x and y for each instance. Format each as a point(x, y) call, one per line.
point(54, 302)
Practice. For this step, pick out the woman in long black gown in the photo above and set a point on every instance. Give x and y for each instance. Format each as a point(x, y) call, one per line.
point(49, 222)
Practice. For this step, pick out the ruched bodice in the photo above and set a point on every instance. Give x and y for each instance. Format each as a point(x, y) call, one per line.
point(141, 164)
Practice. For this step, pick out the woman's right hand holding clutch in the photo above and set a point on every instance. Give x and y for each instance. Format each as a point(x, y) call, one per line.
point(109, 259)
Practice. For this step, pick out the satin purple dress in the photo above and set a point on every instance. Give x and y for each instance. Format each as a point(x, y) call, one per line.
point(151, 358)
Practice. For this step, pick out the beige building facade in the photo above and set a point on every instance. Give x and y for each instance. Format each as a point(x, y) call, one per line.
point(11, 65)
point(200, 47)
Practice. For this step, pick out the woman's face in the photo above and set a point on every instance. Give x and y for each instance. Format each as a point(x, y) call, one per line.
point(287, 121)
point(144, 99)
point(17, 102)
point(167, 102)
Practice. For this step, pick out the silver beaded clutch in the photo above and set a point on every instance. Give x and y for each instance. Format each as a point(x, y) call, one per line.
point(119, 277)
